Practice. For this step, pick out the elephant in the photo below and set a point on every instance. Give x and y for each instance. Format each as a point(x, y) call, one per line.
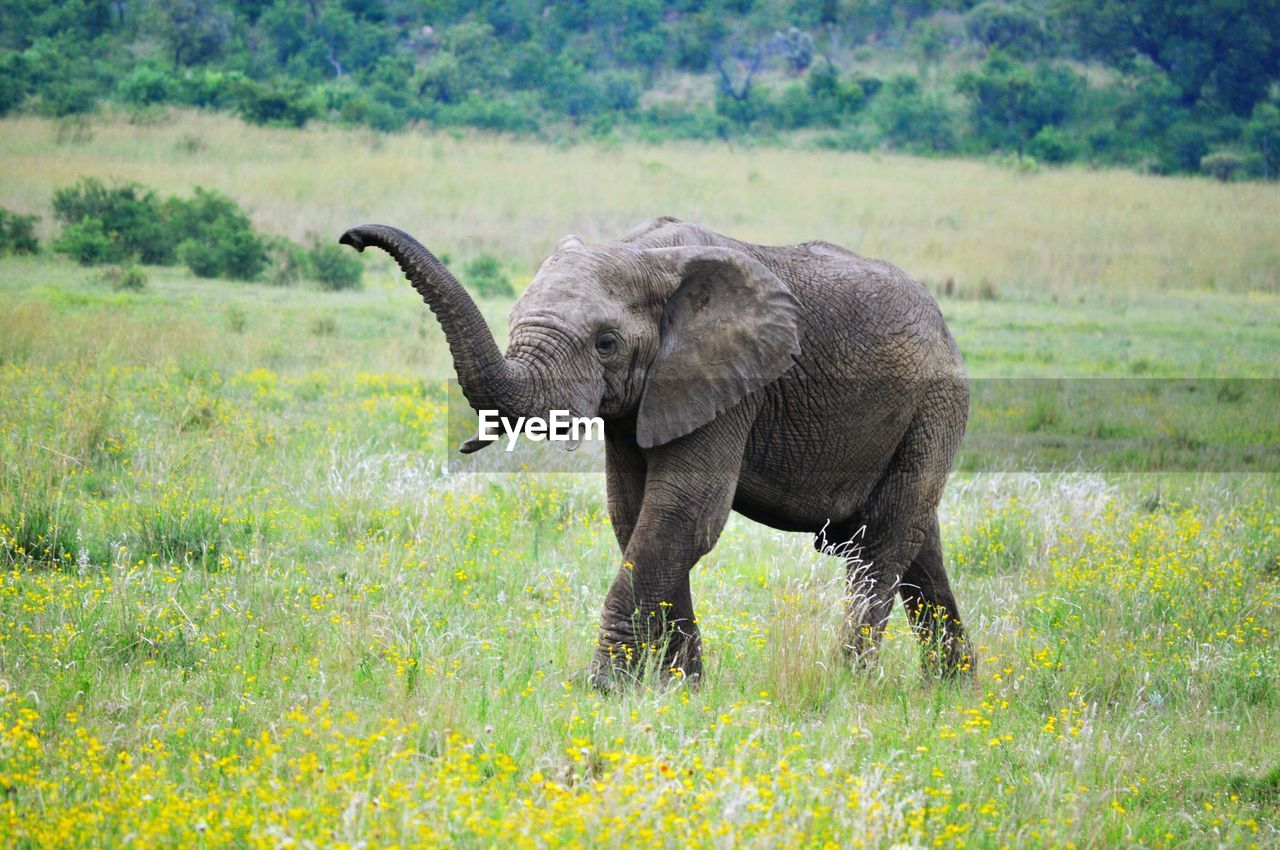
point(805, 387)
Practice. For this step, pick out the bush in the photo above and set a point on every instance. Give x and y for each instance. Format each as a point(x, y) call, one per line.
point(208, 232)
point(215, 237)
point(88, 243)
point(1011, 102)
point(106, 224)
point(1222, 165)
point(146, 85)
point(830, 100)
point(212, 89)
point(516, 113)
point(665, 122)
point(1010, 27)
point(1183, 146)
point(334, 267)
point(124, 278)
point(1052, 146)
point(910, 118)
point(870, 86)
point(484, 276)
point(15, 81)
point(17, 233)
point(68, 97)
point(288, 106)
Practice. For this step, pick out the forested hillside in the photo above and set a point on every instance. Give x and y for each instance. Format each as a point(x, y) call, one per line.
point(1164, 87)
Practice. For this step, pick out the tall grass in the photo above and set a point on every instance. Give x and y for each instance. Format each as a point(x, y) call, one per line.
point(990, 229)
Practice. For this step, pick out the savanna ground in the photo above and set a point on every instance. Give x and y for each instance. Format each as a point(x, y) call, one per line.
point(244, 603)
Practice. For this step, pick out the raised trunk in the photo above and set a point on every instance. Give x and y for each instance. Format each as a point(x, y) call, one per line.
point(488, 380)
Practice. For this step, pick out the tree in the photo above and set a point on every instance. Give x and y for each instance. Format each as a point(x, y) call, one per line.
point(796, 46)
point(1263, 133)
point(1010, 27)
point(464, 63)
point(195, 30)
point(908, 117)
point(1011, 102)
point(1224, 50)
point(747, 65)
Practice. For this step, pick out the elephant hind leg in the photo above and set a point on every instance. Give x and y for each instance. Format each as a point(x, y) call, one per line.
point(900, 514)
point(932, 611)
point(871, 580)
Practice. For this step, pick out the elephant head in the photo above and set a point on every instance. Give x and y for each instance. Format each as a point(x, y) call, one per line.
point(672, 335)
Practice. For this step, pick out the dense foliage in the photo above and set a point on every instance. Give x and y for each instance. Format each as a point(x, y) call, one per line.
point(1167, 85)
point(208, 233)
point(17, 233)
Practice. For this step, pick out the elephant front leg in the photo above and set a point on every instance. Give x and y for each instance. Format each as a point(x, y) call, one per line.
point(647, 625)
point(648, 619)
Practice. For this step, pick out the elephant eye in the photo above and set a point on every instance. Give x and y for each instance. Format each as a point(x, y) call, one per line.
point(606, 344)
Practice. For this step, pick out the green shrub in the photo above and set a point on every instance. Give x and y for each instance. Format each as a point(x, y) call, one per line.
point(910, 118)
point(290, 105)
point(515, 113)
point(485, 277)
point(214, 236)
point(1223, 165)
point(1010, 27)
point(146, 85)
point(88, 243)
point(851, 138)
point(228, 253)
point(1009, 102)
point(824, 100)
point(17, 233)
point(68, 97)
point(334, 267)
point(15, 81)
point(870, 86)
point(124, 278)
point(1183, 146)
point(1051, 145)
point(211, 89)
point(664, 122)
point(106, 224)
point(208, 232)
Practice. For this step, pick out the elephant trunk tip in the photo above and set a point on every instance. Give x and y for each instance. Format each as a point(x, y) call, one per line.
point(353, 238)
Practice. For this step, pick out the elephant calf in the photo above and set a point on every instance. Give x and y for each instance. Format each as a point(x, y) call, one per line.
point(805, 387)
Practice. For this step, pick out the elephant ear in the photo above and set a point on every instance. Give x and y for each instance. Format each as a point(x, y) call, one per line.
point(729, 328)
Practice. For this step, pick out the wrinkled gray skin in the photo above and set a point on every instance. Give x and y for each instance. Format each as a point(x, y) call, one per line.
point(805, 387)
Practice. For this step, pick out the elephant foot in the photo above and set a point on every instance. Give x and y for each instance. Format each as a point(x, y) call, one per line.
point(607, 680)
point(945, 650)
point(617, 667)
point(608, 677)
point(950, 660)
point(861, 646)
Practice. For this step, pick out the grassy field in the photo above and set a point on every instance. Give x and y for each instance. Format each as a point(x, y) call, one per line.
point(243, 604)
point(1060, 233)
